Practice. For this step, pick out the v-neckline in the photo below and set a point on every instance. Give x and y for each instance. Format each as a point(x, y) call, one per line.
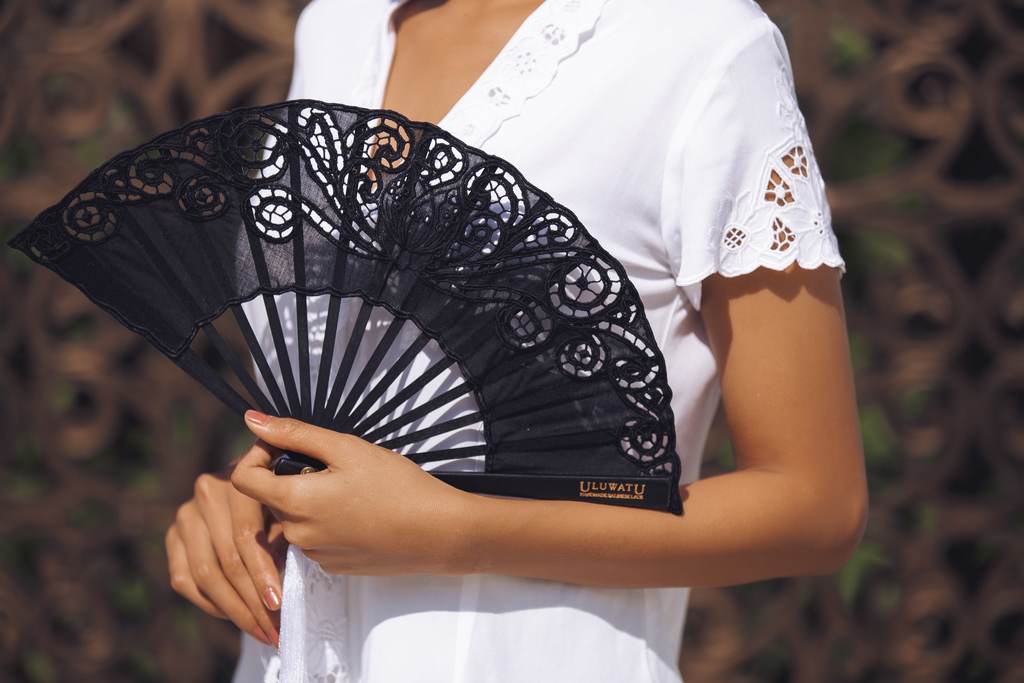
point(387, 48)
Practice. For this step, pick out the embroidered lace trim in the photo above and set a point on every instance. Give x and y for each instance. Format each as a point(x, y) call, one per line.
point(785, 219)
point(524, 68)
point(313, 617)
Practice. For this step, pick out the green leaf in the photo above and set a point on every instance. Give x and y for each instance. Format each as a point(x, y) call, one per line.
point(18, 158)
point(882, 250)
point(877, 435)
point(863, 149)
point(38, 666)
point(850, 49)
point(131, 597)
point(866, 558)
point(860, 352)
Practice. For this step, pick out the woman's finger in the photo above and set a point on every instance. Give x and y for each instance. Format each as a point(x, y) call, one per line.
point(208, 575)
point(249, 524)
point(212, 499)
point(181, 575)
point(253, 478)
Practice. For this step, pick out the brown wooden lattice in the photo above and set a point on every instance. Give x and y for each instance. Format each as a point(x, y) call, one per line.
point(916, 110)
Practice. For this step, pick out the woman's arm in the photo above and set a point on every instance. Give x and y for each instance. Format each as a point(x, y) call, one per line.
point(795, 505)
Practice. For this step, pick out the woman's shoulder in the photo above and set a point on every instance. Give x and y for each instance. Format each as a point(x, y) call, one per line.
point(693, 28)
point(684, 17)
point(319, 9)
point(720, 14)
point(334, 35)
point(336, 18)
point(685, 39)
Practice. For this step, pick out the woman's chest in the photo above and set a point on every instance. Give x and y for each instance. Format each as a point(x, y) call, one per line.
point(440, 50)
point(561, 102)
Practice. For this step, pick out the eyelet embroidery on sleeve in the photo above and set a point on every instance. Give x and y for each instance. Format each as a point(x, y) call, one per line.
point(788, 217)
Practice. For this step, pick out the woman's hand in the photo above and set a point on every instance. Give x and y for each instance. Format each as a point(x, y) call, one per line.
point(372, 511)
point(222, 556)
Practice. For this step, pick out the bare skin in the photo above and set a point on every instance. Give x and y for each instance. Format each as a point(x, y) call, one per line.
point(442, 47)
point(795, 505)
point(223, 554)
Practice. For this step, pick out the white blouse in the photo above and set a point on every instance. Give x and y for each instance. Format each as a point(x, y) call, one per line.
point(671, 129)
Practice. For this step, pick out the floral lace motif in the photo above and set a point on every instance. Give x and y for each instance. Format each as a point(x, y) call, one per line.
point(787, 218)
point(524, 68)
point(313, 626)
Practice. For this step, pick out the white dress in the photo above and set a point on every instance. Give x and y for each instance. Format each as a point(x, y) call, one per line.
point(671, 129)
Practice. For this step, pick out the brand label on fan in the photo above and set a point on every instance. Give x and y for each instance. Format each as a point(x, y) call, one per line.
point(612, 489)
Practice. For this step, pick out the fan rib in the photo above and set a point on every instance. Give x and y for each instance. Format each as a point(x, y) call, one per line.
point(341, 378)
point(189, 360)
point(239, 369)
point(414, 387)
point(281, 348)
point(238, 366)
point(303, 344)
point(259, 357)
point(416, 413)
point(446, 454)
point(433, 430)
point(500, 412)
point(405, 394)
point(204, 374)
point(372, 363)
point(385, 382)
point(323, 376)
point(274, 319)
point(299, 261)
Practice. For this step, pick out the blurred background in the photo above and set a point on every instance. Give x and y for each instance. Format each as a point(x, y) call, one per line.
point(916, 110)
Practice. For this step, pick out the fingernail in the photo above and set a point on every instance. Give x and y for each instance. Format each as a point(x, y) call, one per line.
point(271, 598)
point(256, 417)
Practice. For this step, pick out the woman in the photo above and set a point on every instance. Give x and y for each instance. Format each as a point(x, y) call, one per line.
point(671, 129)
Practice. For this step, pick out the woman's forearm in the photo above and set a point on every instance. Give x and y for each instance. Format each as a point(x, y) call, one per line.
point(738, 527)
point(758, 522)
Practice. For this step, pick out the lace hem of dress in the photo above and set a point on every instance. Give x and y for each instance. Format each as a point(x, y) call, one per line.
point(313, 626)
point(525, 68)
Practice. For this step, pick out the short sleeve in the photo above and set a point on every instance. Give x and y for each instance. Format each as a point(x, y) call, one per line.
point(742, 188)
point(296, 87)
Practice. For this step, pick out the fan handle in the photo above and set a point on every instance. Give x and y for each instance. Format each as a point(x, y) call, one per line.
point(652, 493)
point(295, 463)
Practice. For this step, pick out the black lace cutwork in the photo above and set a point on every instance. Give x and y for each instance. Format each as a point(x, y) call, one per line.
point(379, 213)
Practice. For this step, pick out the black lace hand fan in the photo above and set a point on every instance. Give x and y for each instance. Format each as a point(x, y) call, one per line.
point(377, 276)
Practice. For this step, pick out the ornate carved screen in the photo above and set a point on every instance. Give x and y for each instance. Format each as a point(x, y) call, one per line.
point(917, 115)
